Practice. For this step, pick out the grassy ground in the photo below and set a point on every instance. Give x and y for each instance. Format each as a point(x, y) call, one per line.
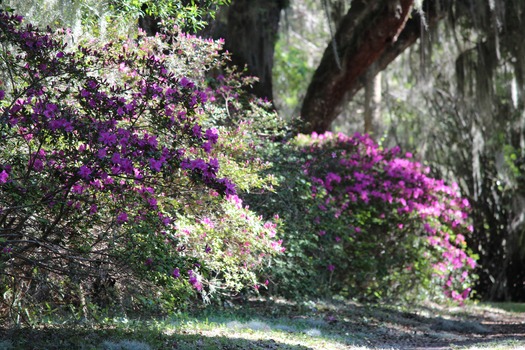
point(283, 325)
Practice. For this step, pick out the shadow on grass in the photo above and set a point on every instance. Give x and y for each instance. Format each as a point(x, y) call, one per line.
point(62, 338)
point(259, 324)
point(381, 327)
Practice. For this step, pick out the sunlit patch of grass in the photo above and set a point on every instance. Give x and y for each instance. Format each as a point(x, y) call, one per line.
point(496, 345)
point(179, 332)
point(510, 307)
point(281, 332)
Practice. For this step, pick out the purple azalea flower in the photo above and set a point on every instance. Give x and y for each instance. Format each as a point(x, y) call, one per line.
point(84, 172)
point(3, 177)
point(122, 218)
point(212, 135)
point(155, 164)
point(197, 131)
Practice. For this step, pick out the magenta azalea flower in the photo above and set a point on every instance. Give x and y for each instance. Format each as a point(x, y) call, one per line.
point(84, 172)
point(122, 218)
point(3, 177)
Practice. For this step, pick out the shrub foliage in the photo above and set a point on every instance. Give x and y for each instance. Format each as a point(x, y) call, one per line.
point(108, 175)
point(366, 223)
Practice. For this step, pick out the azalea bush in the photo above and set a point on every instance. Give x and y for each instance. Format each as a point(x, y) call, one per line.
point(366, 223)
point(140, 172)
point(115, 178)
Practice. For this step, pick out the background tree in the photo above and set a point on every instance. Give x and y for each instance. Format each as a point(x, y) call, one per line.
point(467, 111)
point(250, 29)
point(368, 32)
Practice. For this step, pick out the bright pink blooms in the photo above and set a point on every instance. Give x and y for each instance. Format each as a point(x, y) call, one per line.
point(122, 218)
point(363, 176)
point(3, 177)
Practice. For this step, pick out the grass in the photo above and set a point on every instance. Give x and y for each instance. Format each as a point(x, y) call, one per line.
point(274, 325)
point(510, 307)
point(496, 345)
point(176, 333)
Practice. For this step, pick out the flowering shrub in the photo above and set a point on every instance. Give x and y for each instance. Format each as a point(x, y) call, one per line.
point(111, 168)
point(364, 222)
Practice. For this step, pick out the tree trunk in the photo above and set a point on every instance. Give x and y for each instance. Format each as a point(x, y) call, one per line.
point(149, 24)
point(372, 102)
point(371, 31)
point(249, 28)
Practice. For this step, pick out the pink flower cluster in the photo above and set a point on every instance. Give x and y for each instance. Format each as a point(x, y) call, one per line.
point(359, 174)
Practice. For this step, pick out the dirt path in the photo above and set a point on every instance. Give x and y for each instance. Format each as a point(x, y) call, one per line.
point(437, 328)
point(428, 326)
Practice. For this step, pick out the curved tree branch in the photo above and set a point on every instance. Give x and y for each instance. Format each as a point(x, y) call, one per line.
point(370, 32)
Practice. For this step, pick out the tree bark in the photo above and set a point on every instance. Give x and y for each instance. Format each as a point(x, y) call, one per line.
point(249, 28)
point(372, 102)
point(370, 32)
point(149, 24)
